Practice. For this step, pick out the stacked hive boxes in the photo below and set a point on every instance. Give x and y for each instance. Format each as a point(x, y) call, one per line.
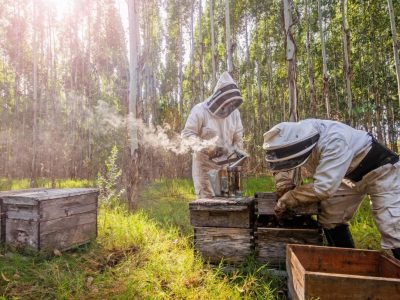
point(223, 228)
point(272, 235)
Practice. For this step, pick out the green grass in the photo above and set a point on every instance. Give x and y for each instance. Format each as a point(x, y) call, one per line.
point(10, 184)
point(148, 255)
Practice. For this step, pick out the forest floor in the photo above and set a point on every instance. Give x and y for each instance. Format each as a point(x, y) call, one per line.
point(147, 255)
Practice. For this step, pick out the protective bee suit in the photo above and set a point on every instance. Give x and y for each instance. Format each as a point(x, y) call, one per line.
point(346, 165)
point(214, 129)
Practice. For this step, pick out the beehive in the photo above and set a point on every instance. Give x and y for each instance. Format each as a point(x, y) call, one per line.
point(223, 228)
point(272, 235)
point(329, 273)
point(48, 219)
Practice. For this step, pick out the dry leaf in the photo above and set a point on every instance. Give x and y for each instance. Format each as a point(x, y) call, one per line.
point(89, 281)
point(4, 277)
point(57, 252)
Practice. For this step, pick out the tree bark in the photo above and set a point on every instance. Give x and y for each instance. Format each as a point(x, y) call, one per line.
point(291, 60)
point(35, 97)
point(324, 64)
point(214, 71)
point(133, 94)
point(228, 37)
point(310, 65)
point(201, 52)
point(346, 54)
point(396, 48)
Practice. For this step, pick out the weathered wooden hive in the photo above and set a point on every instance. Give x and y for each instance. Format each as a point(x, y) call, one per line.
point(272, 235)
point(223, 228)
point(329, 273)
point(48, 219)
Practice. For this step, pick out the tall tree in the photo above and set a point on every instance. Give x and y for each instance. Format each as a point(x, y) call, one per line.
point(214, 71)
point(228, 42)
point(346, 54)
point(396, 48)
point(324, 63)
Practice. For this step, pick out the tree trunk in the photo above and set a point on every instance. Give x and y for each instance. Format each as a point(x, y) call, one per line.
point(346, 54)
point(35, 98)
point(324, 63)
point(310, 65)
point(201, 52)
point(291, 60)
point(396, 47)
point(133, 93)
point(228, 37)
point(214, 71)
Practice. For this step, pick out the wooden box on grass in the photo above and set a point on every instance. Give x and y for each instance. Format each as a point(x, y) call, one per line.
point(339, 273)
point(265, 203)
point(270, 242)
point(48, 219)
point(229, 244)
point(223, 228)
point(222, 212)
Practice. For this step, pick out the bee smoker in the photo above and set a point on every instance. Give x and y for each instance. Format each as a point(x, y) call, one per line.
point(227, 181)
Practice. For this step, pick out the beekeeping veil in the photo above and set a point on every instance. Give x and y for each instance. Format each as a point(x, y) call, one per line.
point(226, 97)
point(288, 145)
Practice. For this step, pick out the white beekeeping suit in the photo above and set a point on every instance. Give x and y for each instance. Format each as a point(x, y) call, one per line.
point(217, 120)
point(346, 164)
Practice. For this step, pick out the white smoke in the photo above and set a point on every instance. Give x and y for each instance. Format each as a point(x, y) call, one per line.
point(107, 118)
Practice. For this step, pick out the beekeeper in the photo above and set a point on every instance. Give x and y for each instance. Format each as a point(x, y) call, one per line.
point(346, 164)
point(214, 129)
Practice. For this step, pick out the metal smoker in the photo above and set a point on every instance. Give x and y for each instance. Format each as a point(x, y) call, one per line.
point(226, 182)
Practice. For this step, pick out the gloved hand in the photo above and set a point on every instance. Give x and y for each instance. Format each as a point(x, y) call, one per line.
point(280, 209)
point(284, 183)
point(216, 151)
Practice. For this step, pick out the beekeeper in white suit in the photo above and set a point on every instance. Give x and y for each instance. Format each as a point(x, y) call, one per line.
point(346, 164)
point(216, 120)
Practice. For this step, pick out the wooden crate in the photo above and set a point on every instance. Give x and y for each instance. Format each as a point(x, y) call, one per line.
point(48, 219)
point(270, 243)
point(340, 273)
point(229, 244)
point(265, 203)
point(222, 212)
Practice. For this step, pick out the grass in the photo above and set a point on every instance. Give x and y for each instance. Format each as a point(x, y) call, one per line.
point(148, 255)
point(145, 255)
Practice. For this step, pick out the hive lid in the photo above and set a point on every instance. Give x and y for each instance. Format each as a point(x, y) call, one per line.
point(227, 204)
point(32, 196)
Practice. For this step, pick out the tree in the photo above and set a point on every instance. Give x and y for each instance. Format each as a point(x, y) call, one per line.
point(396, 48)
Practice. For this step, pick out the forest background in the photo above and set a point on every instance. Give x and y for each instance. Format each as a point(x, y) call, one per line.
point(66, 69)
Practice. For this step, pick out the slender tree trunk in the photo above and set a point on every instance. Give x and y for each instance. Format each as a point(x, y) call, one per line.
point(228, 37)
point(347, 66)
point(133, 94)
point(324, 63)
point(35, 97)
point(313, 99)
point(396, 48)
point(291, 60)
point(214, 71)
point(201, 52)
point(192, 79)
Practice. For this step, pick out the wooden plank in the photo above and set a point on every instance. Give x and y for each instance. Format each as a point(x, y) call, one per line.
point(2, 223)
point(340, 273)
point(32, 197)
point(22, 212)
point(67, 222)
point(265, 203)
point(339, 260)
point(271, 242)
point(239, 219)
point(327, 286)
point(68, 238)
point(222, 204)
point(230, 244)
point(64, 207)
point(22, 234)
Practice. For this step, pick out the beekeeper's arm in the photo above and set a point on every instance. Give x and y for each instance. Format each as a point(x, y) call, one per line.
point(198, 140)
point(238, 135)
point(335, 159)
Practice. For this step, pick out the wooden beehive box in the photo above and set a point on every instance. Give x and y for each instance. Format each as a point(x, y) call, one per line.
point(265, 203)
point(272, 235)
point(223, 228)
point(48, 219)
point(340, 273)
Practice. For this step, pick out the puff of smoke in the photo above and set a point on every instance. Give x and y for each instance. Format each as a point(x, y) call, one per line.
point(106, 118)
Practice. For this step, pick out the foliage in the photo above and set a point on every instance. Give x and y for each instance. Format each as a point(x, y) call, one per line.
point(109, 182)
